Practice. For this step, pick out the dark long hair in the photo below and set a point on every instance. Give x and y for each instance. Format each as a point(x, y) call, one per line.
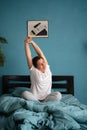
point(35, 59)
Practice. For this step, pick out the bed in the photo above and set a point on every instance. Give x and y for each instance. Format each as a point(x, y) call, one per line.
point(17, 113)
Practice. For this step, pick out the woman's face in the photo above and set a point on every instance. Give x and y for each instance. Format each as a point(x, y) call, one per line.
point(41, 65)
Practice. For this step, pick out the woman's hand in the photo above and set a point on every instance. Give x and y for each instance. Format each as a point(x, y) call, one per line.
point(28, 40)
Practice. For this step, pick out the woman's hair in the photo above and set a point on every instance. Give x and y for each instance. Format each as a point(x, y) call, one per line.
point(35, 59)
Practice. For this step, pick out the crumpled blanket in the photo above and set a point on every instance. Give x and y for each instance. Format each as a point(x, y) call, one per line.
point(20, 114)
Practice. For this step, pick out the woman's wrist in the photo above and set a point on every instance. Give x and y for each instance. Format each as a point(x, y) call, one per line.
point(32, 42)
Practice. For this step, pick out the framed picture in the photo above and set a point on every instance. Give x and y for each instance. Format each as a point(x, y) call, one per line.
point(38, 28)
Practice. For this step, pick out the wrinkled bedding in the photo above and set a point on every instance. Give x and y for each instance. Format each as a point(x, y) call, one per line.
point(19, 114)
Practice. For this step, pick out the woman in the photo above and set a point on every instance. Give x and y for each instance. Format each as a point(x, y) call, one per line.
point(40, 74)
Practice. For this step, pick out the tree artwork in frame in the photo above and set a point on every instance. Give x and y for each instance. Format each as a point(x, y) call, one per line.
point(38, 28)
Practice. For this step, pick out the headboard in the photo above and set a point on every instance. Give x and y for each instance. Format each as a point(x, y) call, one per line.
point(65, 84)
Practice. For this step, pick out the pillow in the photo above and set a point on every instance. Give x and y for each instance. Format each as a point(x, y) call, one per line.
point(59, 89)
point(17, 91)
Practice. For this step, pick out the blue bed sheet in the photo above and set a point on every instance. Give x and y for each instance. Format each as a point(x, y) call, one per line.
point(19, 114)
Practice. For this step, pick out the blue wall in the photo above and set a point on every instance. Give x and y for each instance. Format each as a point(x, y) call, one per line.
point(65, 46)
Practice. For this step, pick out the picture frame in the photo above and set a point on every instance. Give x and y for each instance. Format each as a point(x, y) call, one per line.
point(38, 28)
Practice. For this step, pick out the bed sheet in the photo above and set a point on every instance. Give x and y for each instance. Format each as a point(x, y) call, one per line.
point(19, 114)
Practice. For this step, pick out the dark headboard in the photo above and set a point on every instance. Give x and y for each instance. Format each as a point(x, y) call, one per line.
point(65, 84)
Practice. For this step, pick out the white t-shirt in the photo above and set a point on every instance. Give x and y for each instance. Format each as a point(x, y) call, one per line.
point(41, 83)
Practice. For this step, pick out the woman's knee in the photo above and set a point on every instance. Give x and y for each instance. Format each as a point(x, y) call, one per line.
point(24, 94)
point(28, 95)
point(54, 96)
point(58, 95)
